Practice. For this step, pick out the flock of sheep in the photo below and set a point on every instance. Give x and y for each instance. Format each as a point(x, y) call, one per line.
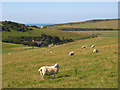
point(94, 51)
point(52, 70)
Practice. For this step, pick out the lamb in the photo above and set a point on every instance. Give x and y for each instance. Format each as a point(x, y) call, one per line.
point(49, 70)
point(92, 46)
point(71, 53)
point(95, 51)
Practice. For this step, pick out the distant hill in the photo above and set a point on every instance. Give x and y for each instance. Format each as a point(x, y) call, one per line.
point(9, 26)
point(90, 24)
point(13, 32)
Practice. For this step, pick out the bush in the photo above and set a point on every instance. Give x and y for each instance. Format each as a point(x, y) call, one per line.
point(8, 26)
point(45, 39)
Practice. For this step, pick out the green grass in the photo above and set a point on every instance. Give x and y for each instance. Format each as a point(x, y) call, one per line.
point(53, 32)
point(10, 47)
point(101, 24)
point(83, 70)
point(99, 33)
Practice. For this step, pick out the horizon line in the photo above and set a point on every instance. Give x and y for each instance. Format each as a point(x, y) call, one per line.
point(66, 22)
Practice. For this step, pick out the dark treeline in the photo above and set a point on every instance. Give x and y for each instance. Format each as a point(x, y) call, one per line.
point(85, 29)
point(8, 26)
point(43, 40)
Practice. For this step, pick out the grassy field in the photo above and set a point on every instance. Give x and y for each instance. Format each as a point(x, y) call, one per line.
point(101, 24)
point(98, 33)
point(83, 70)
point(38, 32)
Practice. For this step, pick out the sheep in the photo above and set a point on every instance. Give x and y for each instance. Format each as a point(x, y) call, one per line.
point(50, 51)
point(9, 53)
point(83, 47)
point(71, 53)
point(49, 70)
point(95, 51)
point(41, 26)
point(92, 46)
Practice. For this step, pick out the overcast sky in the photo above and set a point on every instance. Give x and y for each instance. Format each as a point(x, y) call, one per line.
point(58, 12)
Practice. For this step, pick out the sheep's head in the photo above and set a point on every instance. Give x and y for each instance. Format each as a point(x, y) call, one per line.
point(56, 66)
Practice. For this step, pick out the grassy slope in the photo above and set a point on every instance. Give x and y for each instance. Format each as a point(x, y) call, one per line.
point(84, 69)
point(53, 32)
point(101, 24)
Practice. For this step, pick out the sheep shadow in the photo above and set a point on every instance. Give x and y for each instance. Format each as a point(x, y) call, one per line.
point(62, 76)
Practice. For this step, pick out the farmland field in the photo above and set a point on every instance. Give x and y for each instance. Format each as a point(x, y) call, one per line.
point(83, 70)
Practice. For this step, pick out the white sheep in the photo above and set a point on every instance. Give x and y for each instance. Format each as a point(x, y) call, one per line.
point(9, 53)
point(49, 70)
point(95, 51)
point(50, 51)
point(71, 53)
point(83, 47)
point(92, 46)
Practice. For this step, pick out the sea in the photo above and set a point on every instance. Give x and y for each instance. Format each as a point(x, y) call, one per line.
point(38, 25)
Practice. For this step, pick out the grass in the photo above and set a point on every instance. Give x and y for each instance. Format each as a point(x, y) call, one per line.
point(53, 32)
point(99, 33)
point(9, 47)
point(83, 70)
point(101, 24)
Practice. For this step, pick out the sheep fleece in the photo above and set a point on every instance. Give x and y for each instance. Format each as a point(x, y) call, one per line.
point(48, 70)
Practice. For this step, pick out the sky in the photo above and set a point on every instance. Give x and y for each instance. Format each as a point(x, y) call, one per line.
point(60, 0)
point(58, 12)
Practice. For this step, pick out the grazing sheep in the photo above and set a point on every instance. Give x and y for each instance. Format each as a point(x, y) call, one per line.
point(50, 51)
point(49, 70)
point(9, 53)
point(41, 26)
point(83, 47)
point(95, 51)
point(92, 46)
point(71, 53)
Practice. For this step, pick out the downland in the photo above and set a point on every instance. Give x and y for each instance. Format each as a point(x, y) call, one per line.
point(83, 70)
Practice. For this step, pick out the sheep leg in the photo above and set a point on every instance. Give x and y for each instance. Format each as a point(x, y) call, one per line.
point(53, 76)
point(42, 76)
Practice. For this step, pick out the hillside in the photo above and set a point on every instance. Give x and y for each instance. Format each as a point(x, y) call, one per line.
point(9, 26)
point(13, 32)
point(36, 32)
point(91, 24)
point(85, 69)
